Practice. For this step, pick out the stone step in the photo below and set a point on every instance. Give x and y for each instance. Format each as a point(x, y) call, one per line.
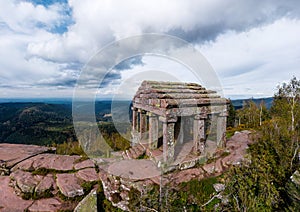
point(124, 155)
point(140, 148)
point(129, 156)
point(138, 153)
point(134, 150)
point(133, 153)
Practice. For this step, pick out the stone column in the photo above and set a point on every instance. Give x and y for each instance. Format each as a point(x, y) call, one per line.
point(199, 133)
point(168, 142)
point(221, 130)
point(143, 123)
point(186, 131)
point(134, 119)
point(153, 131)
point(135, 136)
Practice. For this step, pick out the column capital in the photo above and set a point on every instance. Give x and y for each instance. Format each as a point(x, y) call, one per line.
point(134, 108)
point(150, 114)
point(200, 116)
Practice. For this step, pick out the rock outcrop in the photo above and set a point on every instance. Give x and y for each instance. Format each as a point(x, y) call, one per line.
point(12, 154)
point(34, 179)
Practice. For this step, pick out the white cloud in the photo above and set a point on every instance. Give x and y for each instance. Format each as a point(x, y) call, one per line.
point(251, 63)
point(96, 23)
point(24, 17)
point(246, 41)
point(22, 23)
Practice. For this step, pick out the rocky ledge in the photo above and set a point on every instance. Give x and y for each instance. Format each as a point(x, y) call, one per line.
point(33, 178)
point(119, 177)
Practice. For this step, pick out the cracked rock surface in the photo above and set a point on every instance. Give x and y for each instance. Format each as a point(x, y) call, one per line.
point(34, 179)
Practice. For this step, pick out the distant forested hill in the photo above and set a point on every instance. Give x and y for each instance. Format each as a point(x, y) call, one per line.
point(35, 123)
point(238, 103)
point(45, 123)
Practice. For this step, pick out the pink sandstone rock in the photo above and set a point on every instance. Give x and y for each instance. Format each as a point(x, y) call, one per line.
point(238, 139)
point(232, 159)
point(69, 185)
point(88, 174)
point(218, 166)
point(25, 180)
point(47, 183)
point(84, 164)
point(11, 154)
point(9, 201)
point(237, 145)
point(186, 175)
point(49, 205)
point(49, 161)
point(209, 168)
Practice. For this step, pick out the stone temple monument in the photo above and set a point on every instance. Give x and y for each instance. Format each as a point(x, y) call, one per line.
point(170, 114)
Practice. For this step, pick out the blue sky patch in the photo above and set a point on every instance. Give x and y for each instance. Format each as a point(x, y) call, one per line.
point(47, 2)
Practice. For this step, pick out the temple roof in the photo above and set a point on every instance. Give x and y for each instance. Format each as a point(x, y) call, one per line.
point(158, 97)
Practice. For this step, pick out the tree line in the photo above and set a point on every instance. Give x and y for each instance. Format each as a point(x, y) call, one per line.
point(264, 181)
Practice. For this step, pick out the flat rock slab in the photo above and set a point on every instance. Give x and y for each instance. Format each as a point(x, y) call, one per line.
point(11, 154)
point(84, 164)
point(134, 169)
point(46, 184)
point(88, 175)
point(186, 175)
point(25, 180)
point(69, 185)
point(50, 204)
point(9, 201)
point(240, 138)
point(49, 161)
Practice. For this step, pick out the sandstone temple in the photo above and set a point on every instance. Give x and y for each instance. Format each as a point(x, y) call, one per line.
point(170, 114)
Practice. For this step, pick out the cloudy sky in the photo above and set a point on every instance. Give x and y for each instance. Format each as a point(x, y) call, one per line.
point(252, 45)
